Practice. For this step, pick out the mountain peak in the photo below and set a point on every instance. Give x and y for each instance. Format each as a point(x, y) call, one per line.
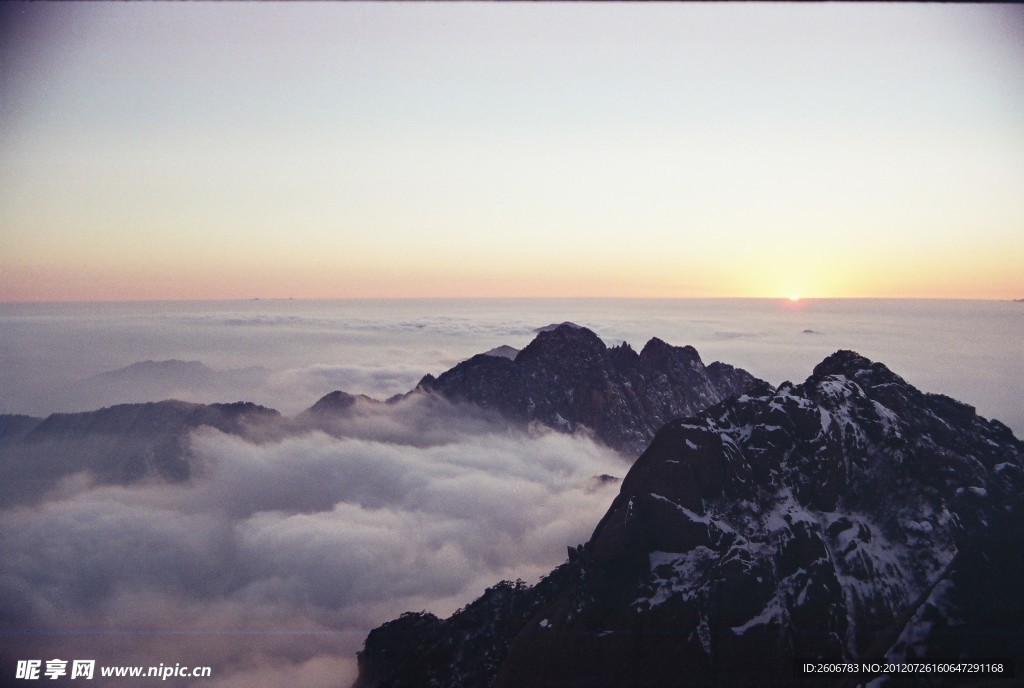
point(657, 349)
point(555, 326)
point(852, 365)
point(503, 351)
point(567, 378)
point(564, 340)
point(337, 401)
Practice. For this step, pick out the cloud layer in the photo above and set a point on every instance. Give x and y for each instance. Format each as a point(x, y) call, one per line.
point(277, 558)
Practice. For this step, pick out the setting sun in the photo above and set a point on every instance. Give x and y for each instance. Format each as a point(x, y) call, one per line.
point(794, 297)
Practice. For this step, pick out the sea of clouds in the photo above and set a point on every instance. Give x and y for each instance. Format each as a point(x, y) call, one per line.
point(272, 563)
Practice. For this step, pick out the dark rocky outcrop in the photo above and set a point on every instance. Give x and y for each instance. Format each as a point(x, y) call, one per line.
point(850, 516)
point(568, 379)
point(466, 649)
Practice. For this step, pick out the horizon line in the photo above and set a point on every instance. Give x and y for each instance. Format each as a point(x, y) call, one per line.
point(785, 298)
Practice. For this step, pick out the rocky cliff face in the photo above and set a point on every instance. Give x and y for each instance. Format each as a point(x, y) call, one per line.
point(567, 378)
point(851, 516)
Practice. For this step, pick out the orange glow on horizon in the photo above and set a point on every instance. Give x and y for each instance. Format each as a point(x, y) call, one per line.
point(522, 276)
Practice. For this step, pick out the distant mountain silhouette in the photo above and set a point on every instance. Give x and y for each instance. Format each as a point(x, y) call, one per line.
point(120, 444)
point(188, 372)
point(145, 381)
point(555, 326)
point(504, 351)
point(337, 402)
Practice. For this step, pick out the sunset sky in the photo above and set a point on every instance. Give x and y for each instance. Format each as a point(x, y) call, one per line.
point(206, 151)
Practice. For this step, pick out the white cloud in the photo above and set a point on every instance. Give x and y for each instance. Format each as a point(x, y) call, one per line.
point(278, 557)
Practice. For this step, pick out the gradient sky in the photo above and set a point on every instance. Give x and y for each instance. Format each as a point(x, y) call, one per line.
point(195, 150)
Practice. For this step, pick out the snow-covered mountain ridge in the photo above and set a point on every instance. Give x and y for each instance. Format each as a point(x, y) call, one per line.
point(845, 517)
